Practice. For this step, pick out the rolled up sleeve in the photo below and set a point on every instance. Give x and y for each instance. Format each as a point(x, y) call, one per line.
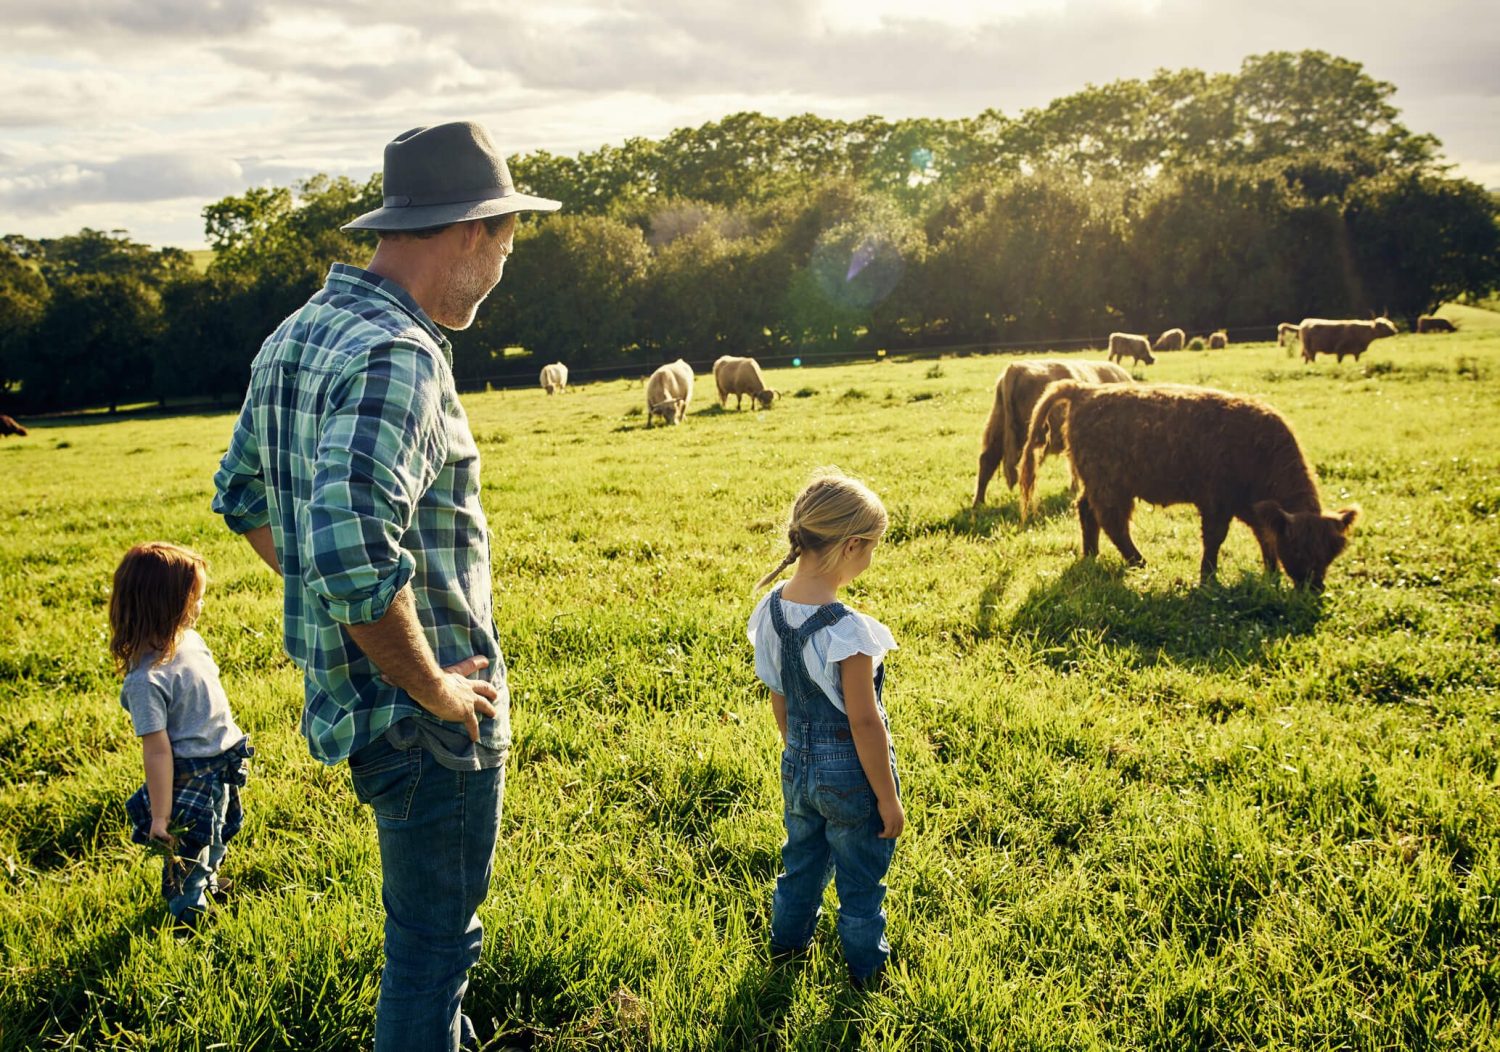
point(239, 488)
point(380, 447)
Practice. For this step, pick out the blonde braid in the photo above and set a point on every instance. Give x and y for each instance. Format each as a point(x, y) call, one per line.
point(794, 551)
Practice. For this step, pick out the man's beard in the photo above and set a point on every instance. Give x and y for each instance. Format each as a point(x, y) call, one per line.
point(470, 284)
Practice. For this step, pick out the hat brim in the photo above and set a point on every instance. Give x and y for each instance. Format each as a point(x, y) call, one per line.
point(420, 217)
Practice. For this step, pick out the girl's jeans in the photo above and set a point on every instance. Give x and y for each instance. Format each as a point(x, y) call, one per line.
point(832, 830)
point(185, 880)
point(437, 832)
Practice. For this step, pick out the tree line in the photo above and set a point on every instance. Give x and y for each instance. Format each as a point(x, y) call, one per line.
point(1198, 200)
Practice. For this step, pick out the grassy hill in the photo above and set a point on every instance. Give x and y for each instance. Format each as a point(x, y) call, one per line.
point(1141, 814)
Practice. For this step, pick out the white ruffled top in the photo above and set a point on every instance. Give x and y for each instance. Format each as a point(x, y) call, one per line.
point(857, 634)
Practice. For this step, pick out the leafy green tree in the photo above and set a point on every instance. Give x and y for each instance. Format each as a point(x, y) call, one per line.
point(1420, 240)
point(571, 293)
point(290, 237)
point(110, 253)
point(93, 345)
point(1209, 248)
point(1024, 257)
point(23, 302)
point(844, 289)
point(1310, 102)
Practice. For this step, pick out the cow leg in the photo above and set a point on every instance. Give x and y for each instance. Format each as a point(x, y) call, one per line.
point(1115, 521)
point(1215, 529)
point(1267, 541)
point(988, 462)
point(1090, 526)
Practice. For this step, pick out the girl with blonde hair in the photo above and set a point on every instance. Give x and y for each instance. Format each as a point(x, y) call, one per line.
point(824, 665)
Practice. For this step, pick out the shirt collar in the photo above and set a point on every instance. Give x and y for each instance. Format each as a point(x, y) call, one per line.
point(372, 283)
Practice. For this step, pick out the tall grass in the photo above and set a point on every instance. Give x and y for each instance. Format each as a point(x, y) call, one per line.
point(1141, 814)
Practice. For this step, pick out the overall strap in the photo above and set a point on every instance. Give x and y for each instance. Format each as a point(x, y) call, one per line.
point(806, 703)
point(826, 616)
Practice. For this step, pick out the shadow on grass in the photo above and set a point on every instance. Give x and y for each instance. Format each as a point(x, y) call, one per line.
point(754, 1011)
point(1218, 625)
point(979, 522)
point(59, 999)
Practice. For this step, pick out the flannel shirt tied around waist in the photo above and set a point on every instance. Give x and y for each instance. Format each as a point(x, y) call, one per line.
point(193, 783)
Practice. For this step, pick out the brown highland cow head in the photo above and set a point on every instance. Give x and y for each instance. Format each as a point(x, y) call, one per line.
point(1306, 541)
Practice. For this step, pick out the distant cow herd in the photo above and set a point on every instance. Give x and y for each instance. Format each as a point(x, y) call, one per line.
point(1230, 457)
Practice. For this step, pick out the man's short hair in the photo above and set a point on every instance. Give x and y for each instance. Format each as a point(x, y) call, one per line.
point(493, 225)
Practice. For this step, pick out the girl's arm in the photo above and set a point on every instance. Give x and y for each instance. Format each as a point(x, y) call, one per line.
point(156, 756)
point(857, 672)
point(778, 706)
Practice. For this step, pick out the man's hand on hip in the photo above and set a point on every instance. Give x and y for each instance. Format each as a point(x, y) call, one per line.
point(456, 699)
point(399, 650)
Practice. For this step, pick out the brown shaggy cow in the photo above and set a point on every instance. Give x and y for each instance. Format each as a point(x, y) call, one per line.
point(1430, 323)
point(8, 426)
point(1171, 340)
point(1218, 341)
point(1231, 457)
point(1321, 336)
point(1017, 390)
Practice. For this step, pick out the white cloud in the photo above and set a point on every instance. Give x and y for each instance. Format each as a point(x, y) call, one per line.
point(137, 178)
point(108, 105)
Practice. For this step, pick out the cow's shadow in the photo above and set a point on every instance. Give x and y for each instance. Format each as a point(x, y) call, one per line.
point(983, 521)
point(1229, 623)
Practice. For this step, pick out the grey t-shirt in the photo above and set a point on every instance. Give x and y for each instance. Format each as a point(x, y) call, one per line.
point(183, 697)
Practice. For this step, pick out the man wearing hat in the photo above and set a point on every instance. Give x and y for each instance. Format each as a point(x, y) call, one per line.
point(352, 472)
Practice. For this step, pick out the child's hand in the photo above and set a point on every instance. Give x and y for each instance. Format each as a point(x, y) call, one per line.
point(892, 817)
point(159, 832)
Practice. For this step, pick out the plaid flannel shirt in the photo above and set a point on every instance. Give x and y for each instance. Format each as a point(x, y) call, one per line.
point(193, 782)
point(352, 445)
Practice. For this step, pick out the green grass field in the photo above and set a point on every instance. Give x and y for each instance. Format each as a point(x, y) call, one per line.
point(1142, 815)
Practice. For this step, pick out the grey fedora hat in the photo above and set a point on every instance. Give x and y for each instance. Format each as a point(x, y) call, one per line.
point(446, 173)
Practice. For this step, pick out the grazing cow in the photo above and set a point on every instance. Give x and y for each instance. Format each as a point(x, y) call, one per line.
point(1231, 457)
point(1286, 332)
point(8, 426)
point(1123, 343)
point(669, 391)
point(1016, 392)
point(1171, 340)
point(1218, 341)
point(1321, 336)
point(1429, 323)
point(554, 378)
point(740, 377)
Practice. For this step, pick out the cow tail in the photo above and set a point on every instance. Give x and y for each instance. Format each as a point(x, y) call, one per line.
point(1036, 436)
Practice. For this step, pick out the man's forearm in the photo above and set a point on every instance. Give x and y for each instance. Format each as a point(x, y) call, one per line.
point(399, 649)
point(264, 544)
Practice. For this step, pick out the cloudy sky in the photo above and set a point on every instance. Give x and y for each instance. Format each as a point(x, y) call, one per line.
point(134, 114)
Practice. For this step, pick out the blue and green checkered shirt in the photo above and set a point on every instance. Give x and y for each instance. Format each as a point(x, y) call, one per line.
point(353, 447)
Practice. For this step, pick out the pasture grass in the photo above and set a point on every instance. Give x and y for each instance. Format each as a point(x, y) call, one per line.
point(1142, 814)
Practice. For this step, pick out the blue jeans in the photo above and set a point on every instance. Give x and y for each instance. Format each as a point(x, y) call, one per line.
point(832, 830)
point(437, 831)
point(185, 882)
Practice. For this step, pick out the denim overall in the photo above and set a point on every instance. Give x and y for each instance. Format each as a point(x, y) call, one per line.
point(832, 822)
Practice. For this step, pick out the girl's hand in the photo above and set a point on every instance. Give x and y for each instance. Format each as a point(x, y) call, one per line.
point(892, 817)
point(159, 832)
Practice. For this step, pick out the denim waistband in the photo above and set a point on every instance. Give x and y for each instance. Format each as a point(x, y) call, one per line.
point(802, 734)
